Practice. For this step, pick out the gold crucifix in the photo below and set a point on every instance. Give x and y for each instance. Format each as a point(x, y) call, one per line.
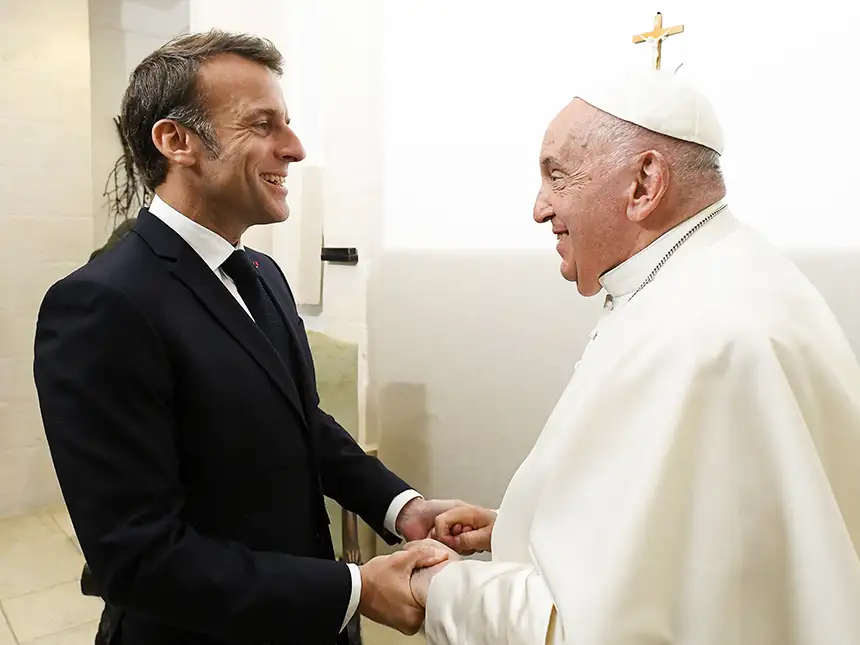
point(658, 35)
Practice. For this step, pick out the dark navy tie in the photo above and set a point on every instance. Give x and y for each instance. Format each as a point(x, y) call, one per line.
point(250, 285)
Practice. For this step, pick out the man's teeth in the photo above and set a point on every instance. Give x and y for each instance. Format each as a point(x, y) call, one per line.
point(558, 236)
point(278, 180)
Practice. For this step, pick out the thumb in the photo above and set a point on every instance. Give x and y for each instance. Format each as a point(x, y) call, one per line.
point(450, 522)
point(422, 557)
point(469, 541)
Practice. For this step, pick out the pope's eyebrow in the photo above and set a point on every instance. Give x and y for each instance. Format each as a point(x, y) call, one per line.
point(548, 160)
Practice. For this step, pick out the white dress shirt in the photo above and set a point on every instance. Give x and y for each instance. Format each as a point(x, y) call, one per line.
point(214, 251)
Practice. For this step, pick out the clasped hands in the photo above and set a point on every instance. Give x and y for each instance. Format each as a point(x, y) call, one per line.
point(394, 587)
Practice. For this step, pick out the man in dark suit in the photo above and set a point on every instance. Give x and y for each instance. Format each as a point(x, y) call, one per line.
point(178, 393)
point(124, 228)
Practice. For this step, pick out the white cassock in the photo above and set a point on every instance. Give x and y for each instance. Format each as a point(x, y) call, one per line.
point(698, 482)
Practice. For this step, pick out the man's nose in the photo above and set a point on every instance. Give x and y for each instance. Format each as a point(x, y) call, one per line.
point(542, 209)
point(291, 147)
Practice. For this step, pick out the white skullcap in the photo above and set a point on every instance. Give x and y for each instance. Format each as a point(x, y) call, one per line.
point(659, 101)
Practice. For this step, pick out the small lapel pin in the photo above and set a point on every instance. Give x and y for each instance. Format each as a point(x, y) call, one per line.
point(256, 264)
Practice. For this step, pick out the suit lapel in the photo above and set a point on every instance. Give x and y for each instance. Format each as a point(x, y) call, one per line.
point(192, 271)
point(303, 370)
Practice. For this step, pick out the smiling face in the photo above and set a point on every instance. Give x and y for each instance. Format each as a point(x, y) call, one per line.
point(243, 181)
point(575, 195)
point(594, 193)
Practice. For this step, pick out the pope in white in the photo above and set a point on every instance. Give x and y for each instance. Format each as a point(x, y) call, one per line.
point(698, 482)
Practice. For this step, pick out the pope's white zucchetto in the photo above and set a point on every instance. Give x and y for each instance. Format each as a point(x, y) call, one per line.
point(660, 101)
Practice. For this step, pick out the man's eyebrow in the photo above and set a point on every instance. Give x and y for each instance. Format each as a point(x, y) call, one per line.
point(549, 160)
point(267, 112)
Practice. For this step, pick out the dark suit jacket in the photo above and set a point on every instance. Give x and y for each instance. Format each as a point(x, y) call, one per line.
point(124, 228)
point(192, 460)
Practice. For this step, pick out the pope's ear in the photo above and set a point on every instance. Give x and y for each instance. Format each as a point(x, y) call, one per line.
point(175, 142)
point(648, 186)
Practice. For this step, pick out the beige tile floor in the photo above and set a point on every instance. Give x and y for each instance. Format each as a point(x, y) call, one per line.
point(40, 598)
point(40, 568)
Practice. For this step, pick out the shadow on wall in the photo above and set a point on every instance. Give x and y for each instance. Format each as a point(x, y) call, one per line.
point(403, 446)
point(836, 274)
point(336, 366)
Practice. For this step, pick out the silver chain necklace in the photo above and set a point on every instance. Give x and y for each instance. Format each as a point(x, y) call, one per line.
point(674, 248)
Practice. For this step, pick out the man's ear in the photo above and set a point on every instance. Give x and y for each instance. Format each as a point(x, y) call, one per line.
point(649, 185)
point(175, 142)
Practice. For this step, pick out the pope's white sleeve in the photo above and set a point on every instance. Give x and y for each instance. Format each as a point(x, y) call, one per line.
point(488, 603)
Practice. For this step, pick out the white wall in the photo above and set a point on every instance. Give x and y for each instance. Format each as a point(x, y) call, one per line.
point(333, 89)
point(122, 33)
point(470, 88)
point(63, 66)
point(352, 170)
point(45, 214)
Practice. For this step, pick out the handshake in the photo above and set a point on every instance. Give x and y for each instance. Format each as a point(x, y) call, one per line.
point(394, 587)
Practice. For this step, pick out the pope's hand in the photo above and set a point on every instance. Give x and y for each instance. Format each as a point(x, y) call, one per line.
point(465, 529)
point(418, 518)
point(386, 594)
point(421, 578)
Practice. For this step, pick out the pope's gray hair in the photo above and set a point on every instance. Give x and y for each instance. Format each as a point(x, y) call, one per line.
point(691, 163)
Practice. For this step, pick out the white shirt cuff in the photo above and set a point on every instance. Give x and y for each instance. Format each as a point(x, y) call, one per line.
point(395, 507)
point(355, 597)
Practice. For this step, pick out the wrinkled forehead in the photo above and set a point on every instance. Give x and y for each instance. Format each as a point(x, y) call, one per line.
point(567, 132)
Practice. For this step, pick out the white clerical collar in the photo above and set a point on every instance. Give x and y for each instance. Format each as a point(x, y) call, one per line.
point(627, 276)
point(211, 247)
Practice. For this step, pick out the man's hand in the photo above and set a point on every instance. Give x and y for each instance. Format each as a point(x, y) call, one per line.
point(421, 578)
point(418, 517)
point(386, 595)
point(465, 529)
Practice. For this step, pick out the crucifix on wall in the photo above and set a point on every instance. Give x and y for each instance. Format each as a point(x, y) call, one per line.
point(657, 36)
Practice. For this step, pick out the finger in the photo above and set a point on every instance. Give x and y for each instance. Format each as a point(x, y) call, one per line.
point(422, 557)
point(418, 544)
point(445, 524)
point(447, 521)
point(450, 541)
point(429, 558)
point(469, 542)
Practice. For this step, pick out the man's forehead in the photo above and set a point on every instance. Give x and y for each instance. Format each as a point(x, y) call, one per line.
point(250, 108)
point(241, 85)
point(565, 129)
point(556, 142)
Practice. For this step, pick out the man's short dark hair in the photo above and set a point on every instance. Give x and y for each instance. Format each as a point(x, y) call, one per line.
point(165, 86)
